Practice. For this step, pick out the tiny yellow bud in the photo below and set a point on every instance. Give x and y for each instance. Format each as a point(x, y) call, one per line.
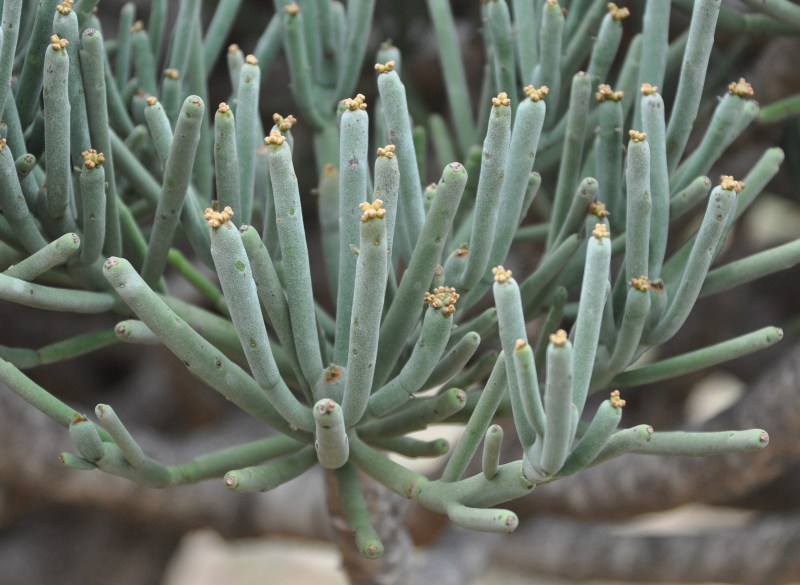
point(616, 12)
point(216, 218)
point(641, 284)
point(600, 231)
point(741, 88)
point(387, 151)
point(372, 210)
point(536, 94)
point(501, 275)
point(728, 183)
point(605, 93)
point(598, 208)
point(57, 43)
point(385, 67)
point(648, 89)
point(637, 136)
point(502, 99)
point(444, 298)
point(615, 400)
point(275, 138)
point(559, 338)
point(356, 103)
point(284, 124)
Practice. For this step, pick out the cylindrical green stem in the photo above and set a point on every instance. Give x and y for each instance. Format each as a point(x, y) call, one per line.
point(177, 175)
point(354, 505)
point(365, 314)
point(239, 288)
point(331, 436)
point(294, 252)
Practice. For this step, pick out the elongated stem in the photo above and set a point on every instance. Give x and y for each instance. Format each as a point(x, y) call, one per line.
point(458, 95)
point(218, 30)
point(416, 415)
point(596, 437)
point(608, 147)
point(53, 254)
point(728, 120)
point(640, 205)
point(780, 10)
point(572, 154)
point(365, 314)
point(122, 61)
point(525, 136)
point(652, 115)
point(177, 174)
point(557, 404)
point(57, 132)
point(263, 478)
point(525, 18)
point(53, 299)
point(247, 138)
point(65, 25)
point(92, 56)
point(294, 251)
point(226, 158)
point(752, 267)
point(13, 204)
point(454, 361)
point(143, 61)
point(353, 176)
point(590, 310)
point(699, 359)
point(30, 80)
point(351, 496)
point(550, 52)
point(398, 126)
point(528, 382)
point(93, 201)
point(130, 449)
point(235, 276)
point(606, 45)
point(498, 24)
point(59, 351)
point(300, 66)
point(701, 444)
point(430, 346)
point(407, 306)
point(720, 206)
point(200, 357)
point(359, 20)
point(487, 199)
point(690, 86)
point(511, 324)
point(12, 13)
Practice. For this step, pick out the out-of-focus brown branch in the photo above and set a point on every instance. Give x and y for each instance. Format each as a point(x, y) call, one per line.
point(31, 443)
point(759, 553)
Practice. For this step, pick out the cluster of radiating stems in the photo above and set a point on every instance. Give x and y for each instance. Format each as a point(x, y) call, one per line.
point(339, 390)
